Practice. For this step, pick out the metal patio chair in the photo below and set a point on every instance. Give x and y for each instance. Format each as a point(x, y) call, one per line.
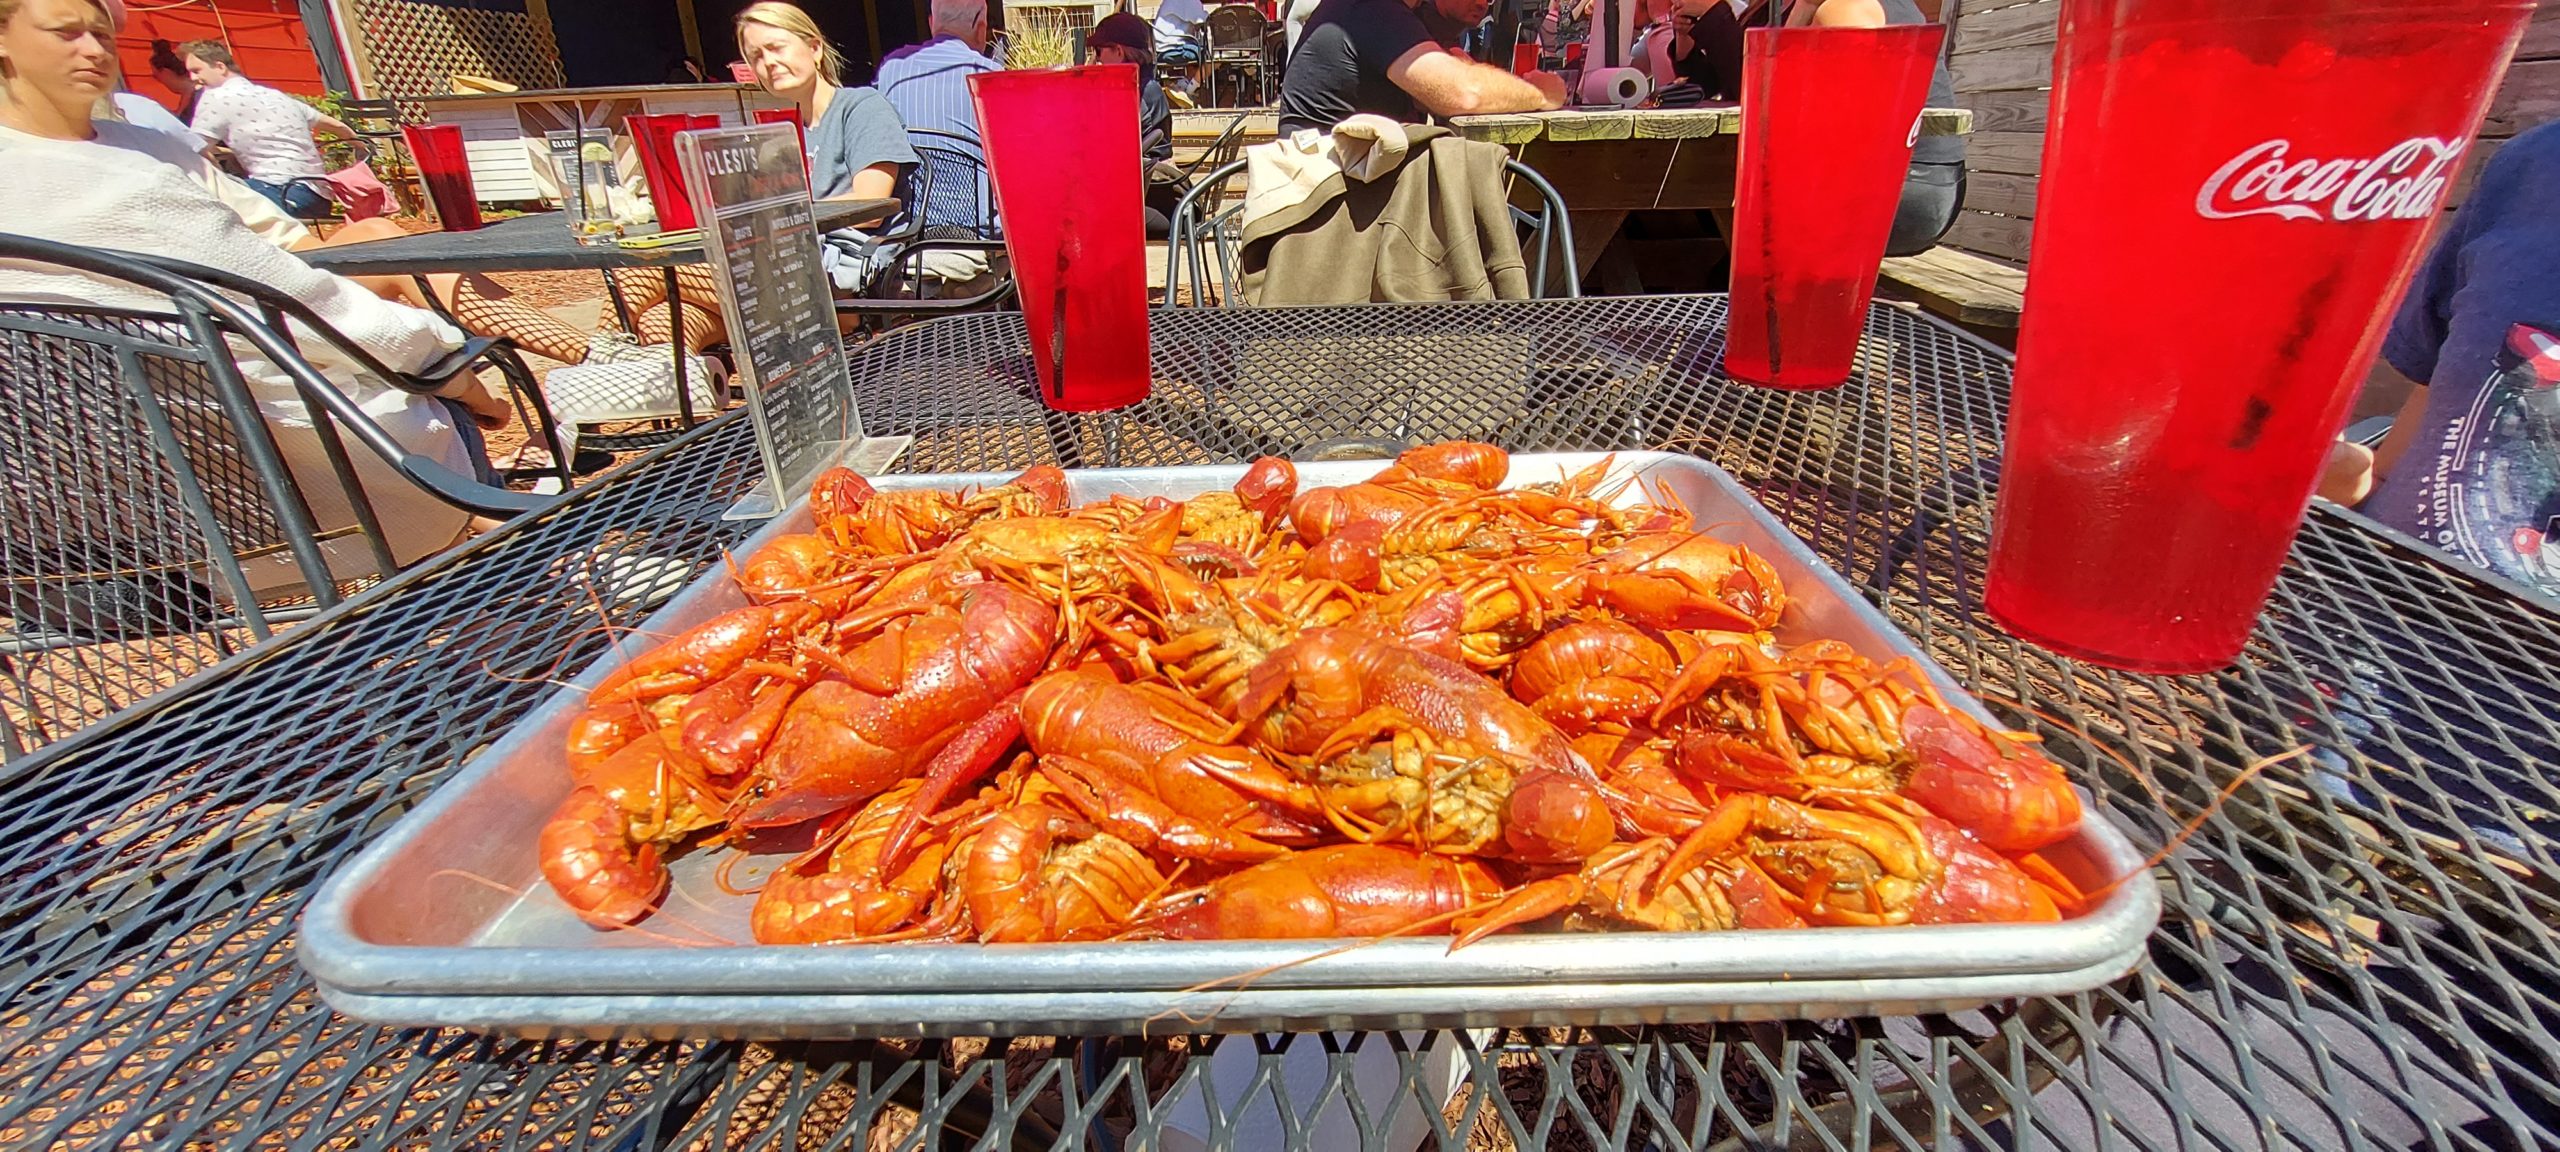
point(281, 312)
point(1221, 151)
point(951, 207)
point(143, 482)
point(1209, 223)
point(377, 123)
point(1236, 39)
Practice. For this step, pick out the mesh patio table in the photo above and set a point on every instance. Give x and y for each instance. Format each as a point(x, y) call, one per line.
point(2359, 948)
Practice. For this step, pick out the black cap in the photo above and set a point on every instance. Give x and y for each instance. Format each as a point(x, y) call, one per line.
point(1122, 29)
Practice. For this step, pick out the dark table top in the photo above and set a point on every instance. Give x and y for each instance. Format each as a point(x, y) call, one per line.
point(539, 242)
point(2358, 950)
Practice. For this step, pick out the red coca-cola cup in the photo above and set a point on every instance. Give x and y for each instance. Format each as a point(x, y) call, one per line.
point(2233, 197)
point(654, 138)
point(1829, 116)
point(445, 168)
point(790, 116)
point(1074, 225)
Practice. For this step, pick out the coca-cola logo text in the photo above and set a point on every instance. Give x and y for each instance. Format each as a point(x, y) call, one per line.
point(2403, 183)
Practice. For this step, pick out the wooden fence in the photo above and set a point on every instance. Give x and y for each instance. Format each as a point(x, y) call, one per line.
point(2003, 65)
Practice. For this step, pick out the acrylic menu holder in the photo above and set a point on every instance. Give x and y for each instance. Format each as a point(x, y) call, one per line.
point(760, 235)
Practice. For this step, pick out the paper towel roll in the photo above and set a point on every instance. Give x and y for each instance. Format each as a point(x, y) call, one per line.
point(1614, 88)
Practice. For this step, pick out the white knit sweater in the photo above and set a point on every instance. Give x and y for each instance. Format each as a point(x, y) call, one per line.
point(121, 194)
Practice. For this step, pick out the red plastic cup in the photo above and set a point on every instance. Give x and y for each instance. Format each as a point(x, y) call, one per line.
point(654, 137)
point(790, 116)
point(2211, 275)
point(1073, 225)
point(1828, 119)
point(445, 168)
point(1524, 59)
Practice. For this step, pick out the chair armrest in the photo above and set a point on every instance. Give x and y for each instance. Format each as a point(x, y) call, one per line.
point(435, 374)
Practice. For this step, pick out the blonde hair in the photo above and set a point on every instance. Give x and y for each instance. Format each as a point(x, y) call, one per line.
point(789, 18)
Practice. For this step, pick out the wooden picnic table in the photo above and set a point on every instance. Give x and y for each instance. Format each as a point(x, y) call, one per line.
point(1609, 162)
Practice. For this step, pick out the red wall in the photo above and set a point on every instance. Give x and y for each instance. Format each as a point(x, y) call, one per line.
point(265, 36)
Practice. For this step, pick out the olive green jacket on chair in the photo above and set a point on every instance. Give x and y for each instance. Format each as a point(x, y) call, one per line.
point(1438, 227)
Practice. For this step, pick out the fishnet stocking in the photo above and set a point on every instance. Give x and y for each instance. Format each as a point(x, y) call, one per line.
point(531, 328)
point(645, 290)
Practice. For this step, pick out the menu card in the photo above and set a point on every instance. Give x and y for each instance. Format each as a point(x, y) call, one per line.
point(752, 196)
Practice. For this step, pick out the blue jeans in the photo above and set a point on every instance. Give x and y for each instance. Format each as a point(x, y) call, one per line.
point(298, 198)
point(468, 429)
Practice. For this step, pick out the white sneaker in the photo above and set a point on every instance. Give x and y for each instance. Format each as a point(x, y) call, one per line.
point(619, 347)
point(635, 389)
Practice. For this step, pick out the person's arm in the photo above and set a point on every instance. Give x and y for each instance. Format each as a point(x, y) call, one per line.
point(1847, 14)
point(875, 149)
point(2353, 469)
point(877, 182)
point(2405, 427)
point(321, 122)
point(1447, 86)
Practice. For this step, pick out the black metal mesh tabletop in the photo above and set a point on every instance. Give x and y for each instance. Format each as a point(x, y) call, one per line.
point(2359, 948)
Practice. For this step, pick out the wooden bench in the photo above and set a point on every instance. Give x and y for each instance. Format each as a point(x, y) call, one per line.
point(1984, 296)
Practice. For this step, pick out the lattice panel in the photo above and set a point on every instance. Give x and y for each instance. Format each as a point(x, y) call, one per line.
point(413, 48)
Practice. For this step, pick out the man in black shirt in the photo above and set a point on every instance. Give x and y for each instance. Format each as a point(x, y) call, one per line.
point(1380, 56)
point(1706, 48)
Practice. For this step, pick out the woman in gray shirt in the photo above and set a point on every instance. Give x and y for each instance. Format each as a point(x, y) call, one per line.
point(856, 143)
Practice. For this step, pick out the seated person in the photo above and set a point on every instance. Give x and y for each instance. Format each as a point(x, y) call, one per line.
point(1705, 49)
point(1381, 57)
point(59, 181)
point(857, 144)
point(483, 307)
point(928, 83)
point(1121, 38)
point(146, 113)
point(1177, 39)
point(266, 130)
point(2472, 462)
point(1933, 191)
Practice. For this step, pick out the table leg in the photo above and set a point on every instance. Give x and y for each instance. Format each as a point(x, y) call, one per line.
point(675, 322)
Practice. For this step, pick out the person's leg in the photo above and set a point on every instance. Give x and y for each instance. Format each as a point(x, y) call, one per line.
point(641, 288)
point(1931, 196)
point(466, 426)
point(397, 288)
point(703, 326)
point(1163, 196)
point(485, 308)
point(304, 202)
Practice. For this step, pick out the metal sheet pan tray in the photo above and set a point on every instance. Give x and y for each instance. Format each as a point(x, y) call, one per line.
point(404, 935)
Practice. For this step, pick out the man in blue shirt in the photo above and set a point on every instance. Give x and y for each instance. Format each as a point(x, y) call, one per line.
point(2472, 462)
point(928, 83)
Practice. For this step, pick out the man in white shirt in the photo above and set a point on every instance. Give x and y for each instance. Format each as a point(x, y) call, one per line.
point(268, 131)
point(1174, 24)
